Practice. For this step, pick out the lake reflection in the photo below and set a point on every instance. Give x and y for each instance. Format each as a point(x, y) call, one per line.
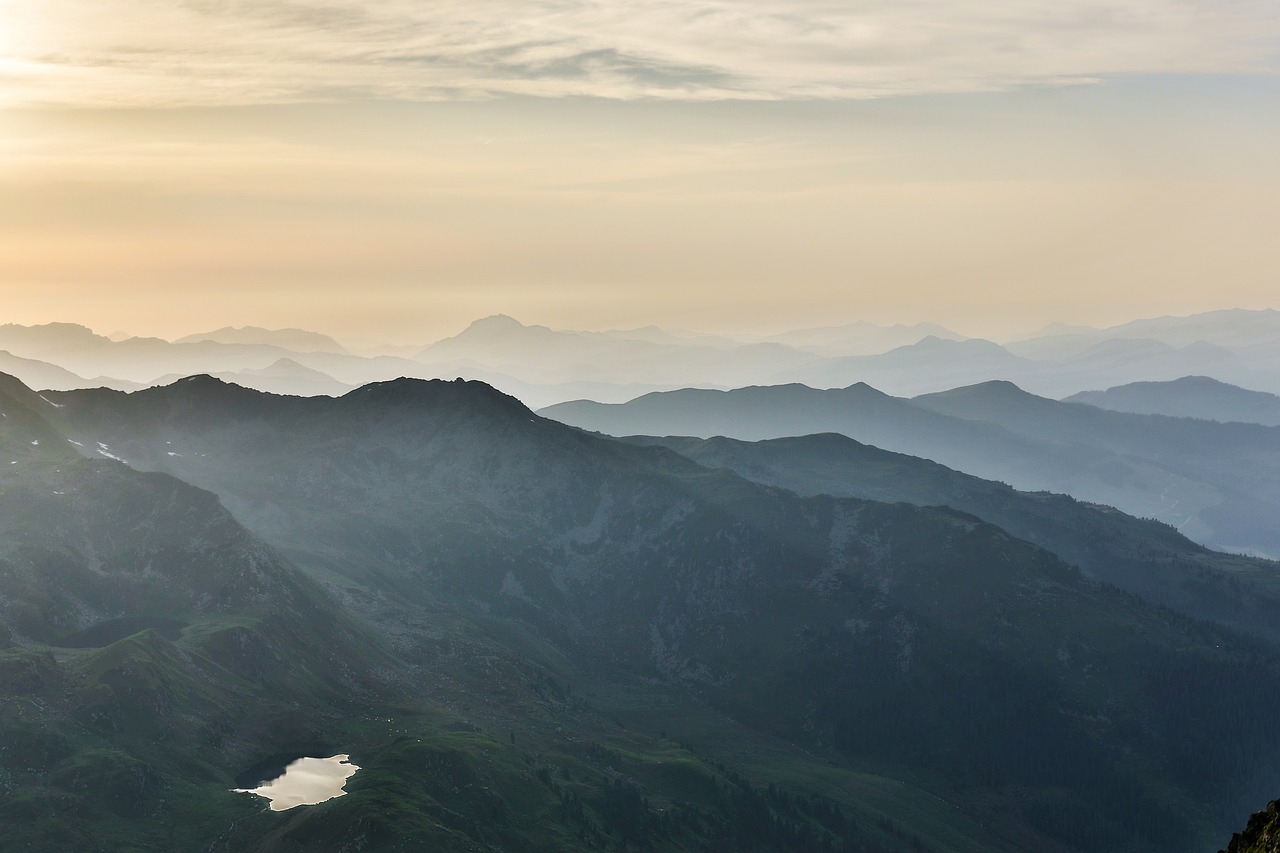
point(306, 781)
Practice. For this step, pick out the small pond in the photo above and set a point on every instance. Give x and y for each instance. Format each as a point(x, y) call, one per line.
point(289, 781)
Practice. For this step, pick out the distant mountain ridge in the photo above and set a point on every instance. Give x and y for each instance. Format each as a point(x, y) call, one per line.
point(544, 366)
point(542, 355)
point(832, 624)
point(284, 376)
point(930, 364)
point(1237, 465)
point(861, 338)
point(298, 340)
point(40, 374)
point(1189, 397)
point(1231, 327)
point(1192, 475)
point(1142, 556)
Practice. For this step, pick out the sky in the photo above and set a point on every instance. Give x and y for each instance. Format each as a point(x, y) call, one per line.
point(389, 172)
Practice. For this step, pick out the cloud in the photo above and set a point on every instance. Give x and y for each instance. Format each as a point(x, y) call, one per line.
point(202, 52)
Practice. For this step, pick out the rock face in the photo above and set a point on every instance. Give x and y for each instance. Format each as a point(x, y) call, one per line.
point(1262, 835)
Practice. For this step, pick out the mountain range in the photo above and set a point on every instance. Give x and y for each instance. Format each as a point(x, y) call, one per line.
point(544, 366)
point(1189, 397)
point(1214, 482)
point(538, 638)
point(777, 617)
point(1143, 556)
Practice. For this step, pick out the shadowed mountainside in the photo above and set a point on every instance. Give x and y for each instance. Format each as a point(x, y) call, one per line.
point(922, 643)
point(1143, 556)
point(148, 643)
point(1217, 483)
point(1238, 464)
point(544, 366)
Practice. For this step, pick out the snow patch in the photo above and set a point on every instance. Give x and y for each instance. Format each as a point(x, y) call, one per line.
point(106, 451)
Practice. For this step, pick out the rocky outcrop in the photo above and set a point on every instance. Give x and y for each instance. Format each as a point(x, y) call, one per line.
point(1262, 835)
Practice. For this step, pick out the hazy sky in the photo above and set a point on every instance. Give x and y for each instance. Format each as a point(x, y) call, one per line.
point(391, 171)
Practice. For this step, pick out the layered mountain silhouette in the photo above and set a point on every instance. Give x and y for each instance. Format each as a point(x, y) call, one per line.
point(1232, 328)
point(544, 366)
point(40, 374)
point(932, 364)
point(285, 376)
point(1189, 397)
point(862, 643)
point(1140, 555)
point(862, 338)
point(902, 360)
point(1236, 463)
point(533, 637)
point(142, 361)
point(1216, 483)
point(541, 355)
point(298, 340)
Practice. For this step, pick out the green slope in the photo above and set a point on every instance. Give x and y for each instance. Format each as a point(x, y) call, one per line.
point(1215, 482)
point(1001, 699)
point(153, 649)
point(1142, 556)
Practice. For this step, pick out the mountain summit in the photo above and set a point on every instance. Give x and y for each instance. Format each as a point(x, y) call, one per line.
point(296, 340)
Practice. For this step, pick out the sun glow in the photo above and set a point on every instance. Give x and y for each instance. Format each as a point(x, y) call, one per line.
point(19, 38)
point(15, 28)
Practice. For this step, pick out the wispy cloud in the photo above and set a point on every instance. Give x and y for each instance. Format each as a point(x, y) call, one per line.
point(138, 52)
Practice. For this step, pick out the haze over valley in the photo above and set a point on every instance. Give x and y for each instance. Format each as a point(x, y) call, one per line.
point(749, 608)
point(647, 427)
point(543, 366)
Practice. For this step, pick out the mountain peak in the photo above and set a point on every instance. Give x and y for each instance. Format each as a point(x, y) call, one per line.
point(458, 394)
point(994, 390)
point(495, 324)
point(488, 336)
point(201, 380)
point(298, 340)
point(933, 342)
point(201, 390)
point(865, 390)
point(288, 367)
point(41, 340)
point(497, 320)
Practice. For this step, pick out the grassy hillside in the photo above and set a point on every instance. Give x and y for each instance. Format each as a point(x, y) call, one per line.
point(920, 647)
point(1142, 556)
point(151, 649)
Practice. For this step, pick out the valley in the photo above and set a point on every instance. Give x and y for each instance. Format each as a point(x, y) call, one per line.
point(606, 643)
